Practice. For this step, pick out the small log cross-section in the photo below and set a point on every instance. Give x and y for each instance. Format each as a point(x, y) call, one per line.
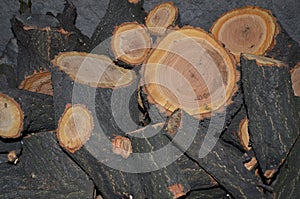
point(246, 30)
point(161, 17)
point(11, 117)
point(273, 120)
point(295, 77)
point(190, 70)
point(131, 43)
point(74, 127)
point(38, 82)
point(93, 70)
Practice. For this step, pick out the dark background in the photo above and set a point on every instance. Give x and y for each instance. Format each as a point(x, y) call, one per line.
point(200, 13)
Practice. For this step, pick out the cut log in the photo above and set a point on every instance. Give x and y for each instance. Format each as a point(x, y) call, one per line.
point(74, 127)
point(270, 102)
point(38, 82)
point(118, 12)
point(237, 132)
point(246, 30)
point(40, 38)
point(93, 70)
point(11, 120)
point(190, 70)
point(161, 17)
point(288, 180)
point(95, 82)
point(160, 173)
point(295, 77)
point(222, 161)
point(197, 178)
point(131, 43)
point(24, 111)
point(44, 171)
point(286, 49)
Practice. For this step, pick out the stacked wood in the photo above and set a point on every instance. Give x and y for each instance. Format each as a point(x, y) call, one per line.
point(273, 120)
point(246, 30)
point(94, 144)
point(161, 17)
point(44, 171)
point(213, 154)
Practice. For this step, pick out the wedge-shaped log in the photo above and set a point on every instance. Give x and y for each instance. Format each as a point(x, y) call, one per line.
point(273, 119)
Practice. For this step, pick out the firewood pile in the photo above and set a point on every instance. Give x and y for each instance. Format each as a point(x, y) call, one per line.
point(149, 107)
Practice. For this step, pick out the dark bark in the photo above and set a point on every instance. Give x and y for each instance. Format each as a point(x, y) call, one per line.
point(288, 180)
point(273, 120)
point(153, 156)
point(219, 159)
point(118, 12)
point(10, 145)
point(37, 108)
point(195, 175)
point(96, 158)
point(213, 193)
point(40, 38)
point(8, 76)
point(286, 49)
point(231, 135)
point(44, 171)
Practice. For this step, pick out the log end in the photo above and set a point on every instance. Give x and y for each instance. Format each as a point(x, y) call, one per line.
point(122, 146)
point(244, 134)
point(131, 43)
point(38, 82)
point(295, 77)
point(246, 30)
point(74, 127)
point(93, 70)
point(161, 17)
point(189, 70)
point(177, 190)
point(11, 117)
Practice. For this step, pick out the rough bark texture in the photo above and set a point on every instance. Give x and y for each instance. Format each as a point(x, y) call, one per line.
point(97, 152)
point(37, 108)
point(9, 145)
point(160, 177)
point(44, 171)
point(7, 73)
point(213, 154)
point(118, 12)
point(231, 135)
point(273, 120)
point(40, 38)
point(208, 194)
point(286, 49)
point(288, 180)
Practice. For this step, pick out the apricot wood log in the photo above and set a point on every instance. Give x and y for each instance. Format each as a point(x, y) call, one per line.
point(25, 112)
point(161, 17)
point(44, 171)
point(118, 12)
point(270, 102)
point(250, 29)
point(219, 159)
